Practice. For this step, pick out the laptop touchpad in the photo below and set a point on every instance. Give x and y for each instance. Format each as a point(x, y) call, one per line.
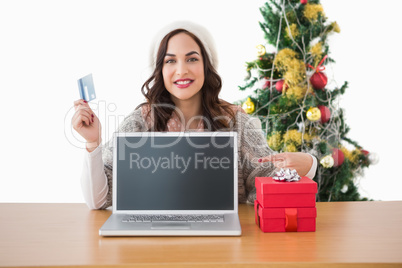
point(170, 225)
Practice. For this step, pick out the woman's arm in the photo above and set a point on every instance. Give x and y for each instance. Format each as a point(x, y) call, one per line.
point(97, 172)
point(303, 163)
point(313, 169)
point(252, 146)
point(94, 183)
point(256, 158)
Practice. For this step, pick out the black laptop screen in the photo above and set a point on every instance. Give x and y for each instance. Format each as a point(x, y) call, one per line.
point(175, 173)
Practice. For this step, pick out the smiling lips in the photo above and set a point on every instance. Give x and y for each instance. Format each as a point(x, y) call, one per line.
point(183, 83)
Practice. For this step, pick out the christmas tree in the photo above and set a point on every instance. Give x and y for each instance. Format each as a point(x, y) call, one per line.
point(298, 111)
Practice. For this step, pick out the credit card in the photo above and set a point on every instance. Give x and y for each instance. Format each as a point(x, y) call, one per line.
point(86, 88)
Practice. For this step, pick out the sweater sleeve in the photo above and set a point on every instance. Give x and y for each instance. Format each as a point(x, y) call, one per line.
point(97, 173)
point(93, 179)
point(252, 146)
point(313, 168)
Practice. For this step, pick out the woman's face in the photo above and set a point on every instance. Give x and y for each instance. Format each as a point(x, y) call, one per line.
point(183, 68)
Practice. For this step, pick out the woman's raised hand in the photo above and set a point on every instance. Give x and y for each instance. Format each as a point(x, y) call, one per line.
point(302, 162)
point(87, 124)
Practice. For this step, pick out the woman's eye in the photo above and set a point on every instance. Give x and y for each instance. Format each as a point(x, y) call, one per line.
point(193, 59)
point(170, 61)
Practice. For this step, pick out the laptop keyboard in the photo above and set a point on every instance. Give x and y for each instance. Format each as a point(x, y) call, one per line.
point(174, 218)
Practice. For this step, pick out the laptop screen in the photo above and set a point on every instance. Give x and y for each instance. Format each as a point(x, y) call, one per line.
point(165, 172)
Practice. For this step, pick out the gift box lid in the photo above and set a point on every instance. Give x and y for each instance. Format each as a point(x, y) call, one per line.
point(267, 185)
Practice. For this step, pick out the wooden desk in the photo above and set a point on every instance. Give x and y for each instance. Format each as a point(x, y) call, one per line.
point(359, 234)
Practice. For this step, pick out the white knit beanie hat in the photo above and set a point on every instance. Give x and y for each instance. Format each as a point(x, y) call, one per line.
point(201, 32)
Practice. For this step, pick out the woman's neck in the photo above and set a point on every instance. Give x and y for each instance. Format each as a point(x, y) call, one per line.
point(189, 111)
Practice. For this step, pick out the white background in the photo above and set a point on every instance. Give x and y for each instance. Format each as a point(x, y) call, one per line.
point(47, 45)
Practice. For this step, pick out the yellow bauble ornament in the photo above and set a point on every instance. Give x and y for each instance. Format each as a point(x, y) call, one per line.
point(261, 50)
point(313, 114)
point(327, 161)
point(248, 106)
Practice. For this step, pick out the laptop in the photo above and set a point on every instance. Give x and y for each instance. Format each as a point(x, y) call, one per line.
point(174, 184)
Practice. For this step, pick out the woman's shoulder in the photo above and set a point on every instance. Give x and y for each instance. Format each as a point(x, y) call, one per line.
point(234, 107)
point(135, 114)
point(243, 119)
point(141, 111)
point(237, 109)
point(134, 121)
point(145, 113)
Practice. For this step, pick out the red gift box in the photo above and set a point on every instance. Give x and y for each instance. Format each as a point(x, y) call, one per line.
point(283, 206)
point(284, 194)
point(285, 219)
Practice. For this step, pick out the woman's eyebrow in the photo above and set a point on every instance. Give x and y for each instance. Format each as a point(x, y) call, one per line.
point(188, 54)
point(192, 52)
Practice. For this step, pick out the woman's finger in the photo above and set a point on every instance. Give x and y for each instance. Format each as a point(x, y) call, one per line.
point(86, 112)
point(82, 116)
point(82, 108)
point(272, 158)
point(80, 103)
point(81, 120)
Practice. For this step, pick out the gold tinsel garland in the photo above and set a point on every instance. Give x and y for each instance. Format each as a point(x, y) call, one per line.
point(335, 27)
point(297, 92)
point(311, 11)
point(290, 141)
point(316, 52)
point(292, 31)
point(351, 155)
point(275, 141)
point(293, 69)
point(295, 136)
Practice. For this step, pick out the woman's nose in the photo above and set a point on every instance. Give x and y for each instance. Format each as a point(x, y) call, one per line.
point(181, 68)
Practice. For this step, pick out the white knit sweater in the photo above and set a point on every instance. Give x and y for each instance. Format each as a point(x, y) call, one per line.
point(96, 179)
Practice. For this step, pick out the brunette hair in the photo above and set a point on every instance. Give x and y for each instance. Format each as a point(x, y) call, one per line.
point(215, 111)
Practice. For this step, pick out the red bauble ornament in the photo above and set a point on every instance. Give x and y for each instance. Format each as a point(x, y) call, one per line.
point(365, 152)
point(325, 113)
point(319, 80)
point(266, 85)
point(303, 2)
point(279, 85)
point(338, 157)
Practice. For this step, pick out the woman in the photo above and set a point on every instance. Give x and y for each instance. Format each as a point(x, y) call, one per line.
point(182, 95)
